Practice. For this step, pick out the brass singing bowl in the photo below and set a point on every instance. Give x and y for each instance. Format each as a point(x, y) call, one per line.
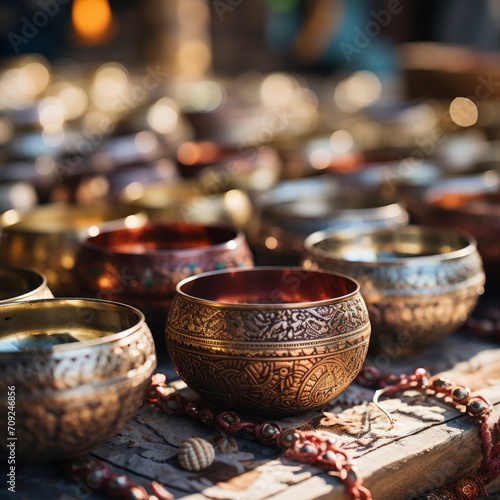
point(268, 341)
point(79, 370)
point(419, 283)
point(19, 283)
point(47, 237)
point(142, 266)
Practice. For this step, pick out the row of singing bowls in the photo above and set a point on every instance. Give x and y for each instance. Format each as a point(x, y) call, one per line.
point(47, 237)
point(80, 369)
point(420, 283)
point(268, 341)
point(19, 283)
point(292, 210)
point(141, 266)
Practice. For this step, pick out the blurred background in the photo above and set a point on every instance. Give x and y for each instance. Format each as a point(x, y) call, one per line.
point(200, 110)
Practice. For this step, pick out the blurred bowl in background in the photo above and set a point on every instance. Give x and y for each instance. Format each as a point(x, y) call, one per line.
point(293, 209)
point(470, 205)
point(141, 266)
point(90, 187)
point(80, 368)
point(411, 188)
point(268, 341)
point(189, 201)
point(19, 283)
point(46, 238)
point(419, 283)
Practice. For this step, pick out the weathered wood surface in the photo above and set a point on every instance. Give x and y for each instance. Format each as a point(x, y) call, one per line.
point(430, 445)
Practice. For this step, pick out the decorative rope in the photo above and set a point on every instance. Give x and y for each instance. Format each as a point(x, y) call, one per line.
point(459, 396)
point(304, 446)
point(309, 446)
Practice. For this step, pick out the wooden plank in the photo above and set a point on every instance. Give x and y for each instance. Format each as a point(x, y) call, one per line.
point(425, 449)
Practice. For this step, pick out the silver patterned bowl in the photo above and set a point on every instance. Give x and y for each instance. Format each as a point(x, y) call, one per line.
point(72, 373)
point(267, 340)
point(420, 284)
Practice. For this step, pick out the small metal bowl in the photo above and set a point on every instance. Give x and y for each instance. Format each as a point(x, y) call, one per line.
point(292, 210)
point(420, 284)
point(470, 205)
point(19, 283)
point(76, 370)
point(46, 238)
point(142, 266)
point(269, 341)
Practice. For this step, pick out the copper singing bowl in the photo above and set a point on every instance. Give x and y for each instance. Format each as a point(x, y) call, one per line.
point(46, 238)
point(475, 210)
point(19, 283)
point(77, 369)
point(141, 266)
point(419, 283)
point(267, 340)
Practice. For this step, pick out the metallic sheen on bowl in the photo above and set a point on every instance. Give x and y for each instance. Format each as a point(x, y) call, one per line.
point(293, 209)
point(47, 237)
point(269, 341)
point(420, 284)
point(141, 266)
point(19, 283)
point(79, 369)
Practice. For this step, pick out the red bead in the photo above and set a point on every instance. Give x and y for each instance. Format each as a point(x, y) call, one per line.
point(117, 484)
point(461, 395)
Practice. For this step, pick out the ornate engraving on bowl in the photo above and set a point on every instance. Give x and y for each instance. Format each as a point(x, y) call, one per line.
point(287, 360)
point(55, 427)
point(413, 304)
point(69, 401)
point(44, 372)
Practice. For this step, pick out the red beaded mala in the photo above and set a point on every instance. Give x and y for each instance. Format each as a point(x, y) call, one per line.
point(477, 407)
point(304, 446)
point(309, 446)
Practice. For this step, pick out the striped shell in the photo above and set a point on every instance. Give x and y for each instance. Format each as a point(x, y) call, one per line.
point(195, 454)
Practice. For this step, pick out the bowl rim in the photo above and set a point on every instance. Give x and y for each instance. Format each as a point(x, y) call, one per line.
point(27, 271)
point(326, 187)
point(232, 244)
point(27, 223)
point(81, 344)
point(274, 305)
point(318, 236)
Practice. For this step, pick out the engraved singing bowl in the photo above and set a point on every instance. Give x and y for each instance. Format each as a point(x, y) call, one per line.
point(268, 341)
point(19, 283)
point(46, 238)
point(80, 369)
point(420, 283)
point(142, 266)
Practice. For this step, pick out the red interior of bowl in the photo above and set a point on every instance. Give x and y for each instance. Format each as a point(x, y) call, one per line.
point(159, 237)
point(269, 286)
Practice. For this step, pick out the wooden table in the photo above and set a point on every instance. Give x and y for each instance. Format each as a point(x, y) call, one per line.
point(430, 445)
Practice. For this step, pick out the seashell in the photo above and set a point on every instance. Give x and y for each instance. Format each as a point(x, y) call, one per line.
point(195, 454)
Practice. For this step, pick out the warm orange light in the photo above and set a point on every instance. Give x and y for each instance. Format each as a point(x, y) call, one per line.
point(92, 21)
